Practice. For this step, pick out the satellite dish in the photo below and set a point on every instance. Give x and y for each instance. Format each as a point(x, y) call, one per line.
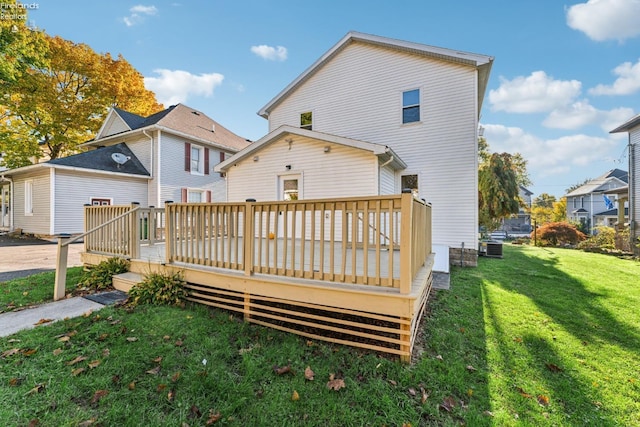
point(120, 158)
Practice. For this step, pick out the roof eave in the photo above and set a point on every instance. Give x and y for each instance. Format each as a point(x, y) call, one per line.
point(627, 126)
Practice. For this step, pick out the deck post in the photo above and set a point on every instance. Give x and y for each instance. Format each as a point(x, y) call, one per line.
point(134, 232)
point(169, 231)
point(61, 267)
point(248, 236)
point(406, 243)
point(151, 226)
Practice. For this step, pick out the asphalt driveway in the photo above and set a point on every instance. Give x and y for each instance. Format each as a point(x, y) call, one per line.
point(24, 256)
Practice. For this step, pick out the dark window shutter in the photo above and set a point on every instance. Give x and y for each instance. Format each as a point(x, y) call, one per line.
point(208, 196)
point(206, 161)
point(184, 195)
point(222, 156)
point(187, 157)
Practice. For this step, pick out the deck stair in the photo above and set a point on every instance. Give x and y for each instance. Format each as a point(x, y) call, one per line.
point(125, 281)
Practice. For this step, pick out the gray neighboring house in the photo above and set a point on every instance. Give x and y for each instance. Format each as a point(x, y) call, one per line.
point(589, 202)
point(632, 127)
point(520, 223)
point(167, 156)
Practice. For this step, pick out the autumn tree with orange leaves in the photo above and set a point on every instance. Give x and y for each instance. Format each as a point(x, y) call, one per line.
point(61, 102)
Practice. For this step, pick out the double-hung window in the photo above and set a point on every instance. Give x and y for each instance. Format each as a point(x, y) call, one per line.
point(197, 159)
point(411, 106)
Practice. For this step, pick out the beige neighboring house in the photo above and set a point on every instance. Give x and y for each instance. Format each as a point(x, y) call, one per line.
point(150, 160)
point(632, 127)
point(373, 116)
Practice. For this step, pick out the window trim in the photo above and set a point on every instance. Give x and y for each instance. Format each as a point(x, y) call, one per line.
point(28, 197)
point(200, 170)
point(404, 107)
point(109, 199)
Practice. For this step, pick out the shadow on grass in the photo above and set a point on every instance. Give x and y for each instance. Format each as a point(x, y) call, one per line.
point(573, 308)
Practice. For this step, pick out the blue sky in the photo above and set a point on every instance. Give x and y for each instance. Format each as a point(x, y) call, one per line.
point(565, 72)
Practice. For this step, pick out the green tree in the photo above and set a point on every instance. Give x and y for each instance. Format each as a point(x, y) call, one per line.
point(499, 179)
point(54, 108)
point(544, 200)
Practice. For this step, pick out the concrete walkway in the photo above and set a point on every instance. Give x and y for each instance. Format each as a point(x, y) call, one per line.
point(15, 321)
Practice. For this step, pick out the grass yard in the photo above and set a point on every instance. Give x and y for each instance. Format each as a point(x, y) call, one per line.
point(543, 337)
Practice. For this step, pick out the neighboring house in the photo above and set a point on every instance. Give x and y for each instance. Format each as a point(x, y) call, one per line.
point(632, 127)
point(521, 223)
point(590, 199)
point(149, 160)
point(372, 116)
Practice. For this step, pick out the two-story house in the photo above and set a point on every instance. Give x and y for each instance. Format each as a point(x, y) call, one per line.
point(587, 202)
point(632, 126)
point(167, 156)
point(373, 116)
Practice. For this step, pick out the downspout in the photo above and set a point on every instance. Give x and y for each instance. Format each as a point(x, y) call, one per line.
point(144, 132)
point(631, 191)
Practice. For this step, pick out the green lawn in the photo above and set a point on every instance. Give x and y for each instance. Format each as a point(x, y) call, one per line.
point(543, 337)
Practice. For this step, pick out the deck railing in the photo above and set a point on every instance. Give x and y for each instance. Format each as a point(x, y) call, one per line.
point(378, 240)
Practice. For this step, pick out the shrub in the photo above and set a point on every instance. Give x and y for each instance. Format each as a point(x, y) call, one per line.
point(101, 276)
point(558, 234)
point(604, 238)
point(159, 289)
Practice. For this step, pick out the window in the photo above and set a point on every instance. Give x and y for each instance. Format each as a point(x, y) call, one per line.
point(290, 187)
point(411, 106)
point(28, 198)
point(410, 182)
point(196, 159)
point(306, 120)
point(194, 196)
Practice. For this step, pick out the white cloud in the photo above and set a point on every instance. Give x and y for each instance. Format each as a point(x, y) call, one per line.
point(581, 114)
point(606, 19)
point(175, 86)
point(270, 53)
point(533, 94)
point(627, 83)
point(138, 14)
point(549, 157)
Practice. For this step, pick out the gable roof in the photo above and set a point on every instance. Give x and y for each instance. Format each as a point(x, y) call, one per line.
point(598, 184)
point(97, 161)
point(101, 159)
point(383, 152)
point(482, 63)
point(181, 120)
point(628, 125)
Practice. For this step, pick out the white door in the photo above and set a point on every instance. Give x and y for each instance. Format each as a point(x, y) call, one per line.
point(289, 189)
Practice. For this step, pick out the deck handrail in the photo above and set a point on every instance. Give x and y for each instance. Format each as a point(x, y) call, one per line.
point(65, 240)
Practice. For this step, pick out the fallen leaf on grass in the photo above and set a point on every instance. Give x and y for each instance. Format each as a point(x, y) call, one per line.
point(154, 371)
point(132, 385)
point(523, 393)
point(335, 383)
point(412, 391)
point(393, 382)
point(543, 400)
point(309, 374)
point(94, 364)
point(77, 371)
point(175, 377)
point(553, 368)
point(283, 370)
point(161, 387)
point(470, 368)
point(425, 395)
point(106, 352)
point(179, 343)
point(171, 395)
point(76, 360)
point(64, 338)
point(213, 418)
point(99, 395)
point(14, 382)
point(439, 357)
point(194, 412)
point(295, 396)
point(157, 359)
point(448, 403)
point(43, 321)
point(87, 423)
point(37, 389)
point(11, 352)
point(57, 351)
point(103, 337)
point(488, 413)
point(132, 339)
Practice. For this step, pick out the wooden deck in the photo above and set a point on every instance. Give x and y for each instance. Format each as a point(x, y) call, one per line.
point(343, 280)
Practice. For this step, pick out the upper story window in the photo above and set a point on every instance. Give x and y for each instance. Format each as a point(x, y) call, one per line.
point(196, 159)
point(411, 106)
point(306, 120)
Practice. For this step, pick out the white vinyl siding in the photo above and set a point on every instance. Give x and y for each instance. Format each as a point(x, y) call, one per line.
point(38, 221)
point(357, 95)
point(174, 178)
point(387, 181)
point(342, 172)
point(114, 125)
point(74, 189)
